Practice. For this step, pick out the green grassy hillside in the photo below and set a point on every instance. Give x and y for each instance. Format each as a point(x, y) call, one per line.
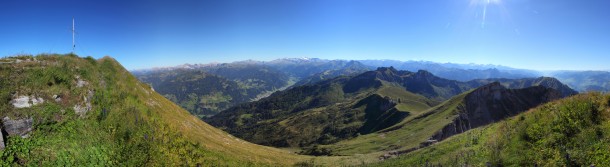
point(321, 113)
point(408, 133)
point(471, 109)
point(569, 132)
point(95, 112)
point(349, 115)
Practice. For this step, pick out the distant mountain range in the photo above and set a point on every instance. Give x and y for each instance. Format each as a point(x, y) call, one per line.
point(251, 80)
point(581, 81)
point(460, 72)
point(585, 80)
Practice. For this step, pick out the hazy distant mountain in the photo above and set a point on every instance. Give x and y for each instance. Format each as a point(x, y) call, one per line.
point(585, 80)
point(351, 68)
point(460, 72)
point(306, 67)
point(578, 80)
point(250, 75)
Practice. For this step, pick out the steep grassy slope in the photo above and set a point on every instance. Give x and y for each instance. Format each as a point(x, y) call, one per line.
point(407, 134)
point(87, 111)
point(484, 105)
point(569, 132)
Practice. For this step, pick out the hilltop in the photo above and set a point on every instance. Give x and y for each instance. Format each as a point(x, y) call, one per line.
point(64, 110)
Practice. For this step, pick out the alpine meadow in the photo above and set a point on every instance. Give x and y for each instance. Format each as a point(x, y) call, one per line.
point(305, 83)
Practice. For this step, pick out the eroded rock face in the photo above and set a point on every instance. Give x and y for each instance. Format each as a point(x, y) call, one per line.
point(492, 103)
point(19, 127)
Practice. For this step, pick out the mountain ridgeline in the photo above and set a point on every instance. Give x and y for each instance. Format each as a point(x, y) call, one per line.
point(581, 81)
point(344, 108)
point(460, 72)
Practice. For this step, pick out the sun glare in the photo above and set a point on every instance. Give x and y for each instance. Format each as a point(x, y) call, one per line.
point(483, 5)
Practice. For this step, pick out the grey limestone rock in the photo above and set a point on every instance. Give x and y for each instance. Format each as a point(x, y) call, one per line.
point(19, 127)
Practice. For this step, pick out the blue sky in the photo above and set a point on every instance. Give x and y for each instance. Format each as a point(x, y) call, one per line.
point(532, 34)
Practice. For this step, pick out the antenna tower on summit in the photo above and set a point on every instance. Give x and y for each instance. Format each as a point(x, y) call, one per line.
point(73, 31)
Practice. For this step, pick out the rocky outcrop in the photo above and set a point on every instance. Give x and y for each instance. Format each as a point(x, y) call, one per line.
point(492, 103)
point(81, 110)
point(57, 98)
point(19, 127)
point(457, 126)
point(26, 101)
point(21, 102)
point(80, 82)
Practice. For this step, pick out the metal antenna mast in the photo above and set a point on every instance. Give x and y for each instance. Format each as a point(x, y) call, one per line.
point(73, 44)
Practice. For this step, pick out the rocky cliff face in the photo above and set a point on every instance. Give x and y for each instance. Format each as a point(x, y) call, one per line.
point(492, 103)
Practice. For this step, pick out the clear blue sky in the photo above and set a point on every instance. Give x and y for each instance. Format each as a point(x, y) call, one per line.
point(532, 34)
